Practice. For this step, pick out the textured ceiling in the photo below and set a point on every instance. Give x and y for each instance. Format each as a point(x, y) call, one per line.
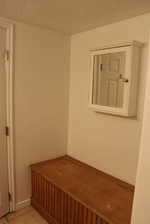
point(71, 16)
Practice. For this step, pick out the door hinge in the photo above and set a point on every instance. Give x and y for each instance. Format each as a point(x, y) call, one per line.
point(101, 67)
point(7, 131)
point(7, 55)
point(9, 196)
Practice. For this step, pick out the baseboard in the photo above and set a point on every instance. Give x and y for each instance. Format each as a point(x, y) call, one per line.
point(23, 204)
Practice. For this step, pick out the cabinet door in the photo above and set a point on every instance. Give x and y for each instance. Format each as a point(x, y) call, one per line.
point(114, 79)
point(113, 75)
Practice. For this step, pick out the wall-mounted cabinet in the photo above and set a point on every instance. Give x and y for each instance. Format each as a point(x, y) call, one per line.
point(114, 79)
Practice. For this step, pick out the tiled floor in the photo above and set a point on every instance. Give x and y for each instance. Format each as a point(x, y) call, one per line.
point(24, 216)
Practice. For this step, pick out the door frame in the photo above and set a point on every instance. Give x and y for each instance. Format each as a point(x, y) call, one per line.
point(9, 26)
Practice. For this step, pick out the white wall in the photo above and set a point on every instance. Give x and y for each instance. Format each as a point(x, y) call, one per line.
point(40, 99)
point(141, 208)
point(108, 143)
point(41, 112)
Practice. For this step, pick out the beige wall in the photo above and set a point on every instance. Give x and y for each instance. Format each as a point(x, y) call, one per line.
point(141, 208)
point(108, 143)
point(41, 100)
point(41, 112)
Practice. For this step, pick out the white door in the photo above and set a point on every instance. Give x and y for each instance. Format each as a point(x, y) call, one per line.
point(4, 196)
point(111, 84)
point(110, 70)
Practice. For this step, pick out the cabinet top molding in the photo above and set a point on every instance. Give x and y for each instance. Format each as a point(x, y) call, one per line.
point(118, 45)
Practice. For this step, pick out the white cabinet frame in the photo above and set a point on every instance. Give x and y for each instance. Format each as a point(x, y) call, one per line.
point(132, 51)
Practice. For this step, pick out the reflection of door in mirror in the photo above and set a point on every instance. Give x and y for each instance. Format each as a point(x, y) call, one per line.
point(108, 85)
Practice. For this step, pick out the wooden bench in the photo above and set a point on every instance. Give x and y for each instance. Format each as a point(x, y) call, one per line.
point(66, 191)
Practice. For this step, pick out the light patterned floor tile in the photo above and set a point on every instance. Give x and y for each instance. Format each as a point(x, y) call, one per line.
point(25, 216)
point(20, 212)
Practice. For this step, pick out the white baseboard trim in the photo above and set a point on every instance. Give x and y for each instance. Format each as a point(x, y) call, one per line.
point(23, 204)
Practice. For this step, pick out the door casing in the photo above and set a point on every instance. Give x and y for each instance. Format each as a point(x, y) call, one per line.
point(9, 26)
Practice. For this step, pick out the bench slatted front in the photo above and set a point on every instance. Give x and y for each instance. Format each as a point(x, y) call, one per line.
point(66, 191)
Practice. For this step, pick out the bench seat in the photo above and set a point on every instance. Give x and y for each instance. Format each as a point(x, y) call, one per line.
point(67, 191)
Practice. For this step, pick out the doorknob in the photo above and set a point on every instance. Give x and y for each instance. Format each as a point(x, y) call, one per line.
point(121, 78)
